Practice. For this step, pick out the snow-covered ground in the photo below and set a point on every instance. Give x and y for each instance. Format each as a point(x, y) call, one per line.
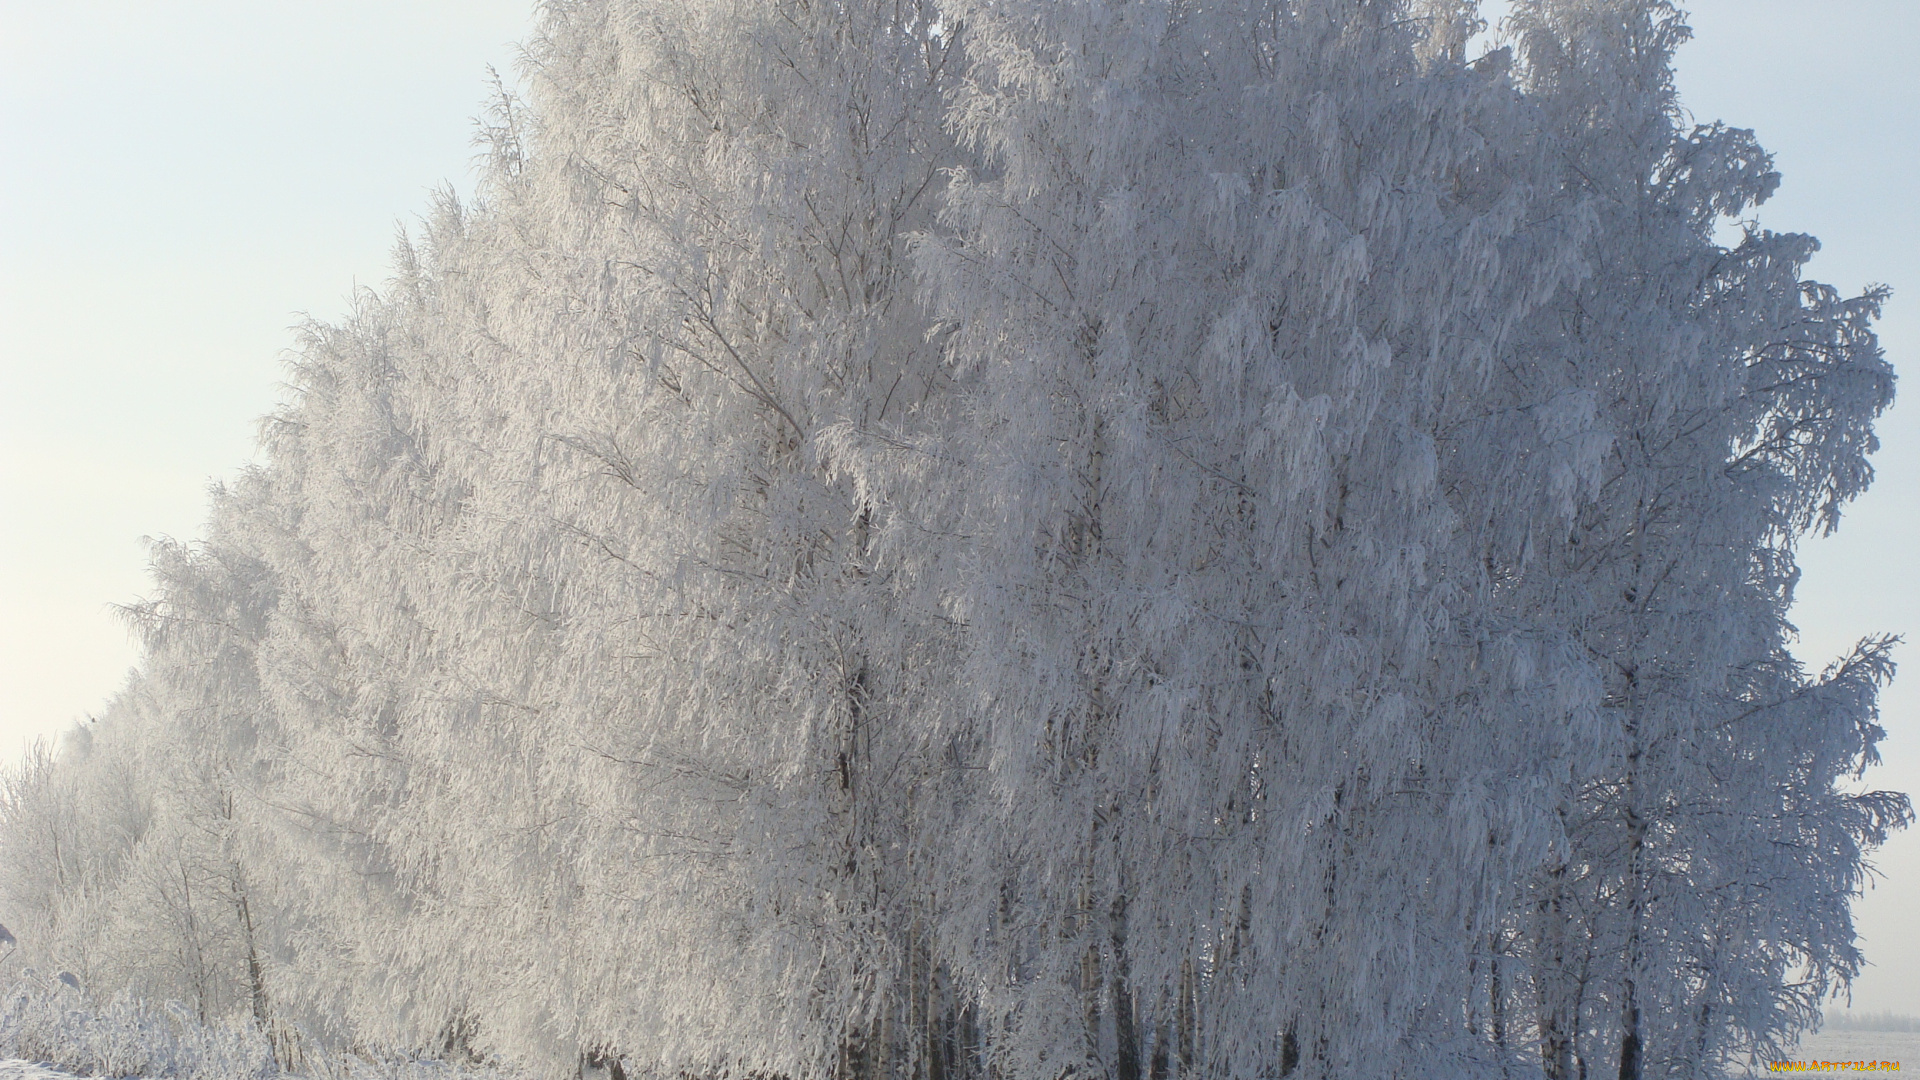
point(1900, 1047)
point(16, 1069)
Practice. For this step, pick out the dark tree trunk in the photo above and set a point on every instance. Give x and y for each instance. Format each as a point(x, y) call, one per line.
point(1126, 1033)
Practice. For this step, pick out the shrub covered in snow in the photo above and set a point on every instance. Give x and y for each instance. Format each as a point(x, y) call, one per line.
point(51, 1020)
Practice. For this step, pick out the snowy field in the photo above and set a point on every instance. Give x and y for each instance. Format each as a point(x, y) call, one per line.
point(1902, 1047)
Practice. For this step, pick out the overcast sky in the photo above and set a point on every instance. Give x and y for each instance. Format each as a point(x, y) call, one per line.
point(182, 182)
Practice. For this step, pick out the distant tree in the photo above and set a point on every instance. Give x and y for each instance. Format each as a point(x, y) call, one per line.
point(1871, 1021)
point(134, 853)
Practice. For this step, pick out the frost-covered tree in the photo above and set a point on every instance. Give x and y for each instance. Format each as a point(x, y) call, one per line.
point(1740, 401)
point(71, 822)
point(952, 539)
point(1709, 757)
point(1230, 297)
point(135, 851)
point(619, 692)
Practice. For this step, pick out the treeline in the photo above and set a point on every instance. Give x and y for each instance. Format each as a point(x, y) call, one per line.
point(1006, 538)
point(1838, 1020)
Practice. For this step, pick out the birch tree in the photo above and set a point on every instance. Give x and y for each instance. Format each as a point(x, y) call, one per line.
point(606, 553)
point(1234, 501)
point(1741, 399)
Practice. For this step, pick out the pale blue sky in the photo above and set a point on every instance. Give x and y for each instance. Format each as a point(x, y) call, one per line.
point(180, 180)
